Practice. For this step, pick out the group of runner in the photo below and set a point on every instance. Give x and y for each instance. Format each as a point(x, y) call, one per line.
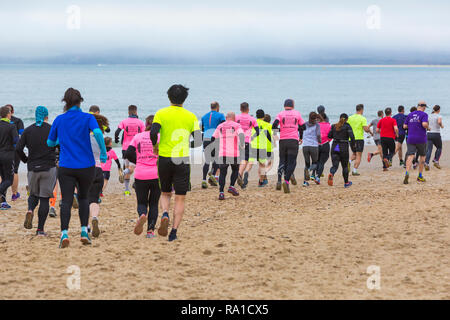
point(74, 154)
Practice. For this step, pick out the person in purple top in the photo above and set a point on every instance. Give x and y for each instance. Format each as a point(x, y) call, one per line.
point(416, 123)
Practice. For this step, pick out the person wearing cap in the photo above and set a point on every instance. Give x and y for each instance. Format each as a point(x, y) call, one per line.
point(290, 122)
point(359, 125)
point(417, 124)
point(41, 164)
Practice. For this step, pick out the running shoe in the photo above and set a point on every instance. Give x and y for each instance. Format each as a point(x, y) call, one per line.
point(5, 206)
point(369, 156)
point(427, 167)
point(75, 204)
point(64, 242)
point(436, 164)
point(41, 233)
point(305, 183)
point(101, 195)
point(121, 177)
point(421, 179)
point(406, 179)
point(313, 177)
point(330, 180)
point(164, 226)
point(390, 163)
point(212, 180)
point(28, 223)
point(240, 182)
point(355, 173)
point(85, 238)
point(307, 176)
point(317, 180)
point(172, 236)
point(278, 187)
point(127, 193)
point(204, 185)
point(15, 197)
point(139, 228)
point(150, 235)
point(286, 188)
point(28, 190)
point(221, 196)
point(260, 184)
point(95, 228)
point(52, 212)
point(385, 169)
point(265, 182)
point(293, 180)
point(245, 180)
point(233, 191)
point(348, 184)
point(322, 175)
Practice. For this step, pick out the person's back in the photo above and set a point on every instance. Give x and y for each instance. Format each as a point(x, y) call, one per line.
point(400, 119)
point(387, 125)
point(325, 128)
point(146, 159)
point(228, 135)
point(261, 141)
point(289, 120)
point(417, 134)
point(130, 126)
point(357, 122)
point(433, 120)
point(41, 157)
point(247, 122)
point(374, 124)
point(210, 121)
point(311, 134)
point(8, 134)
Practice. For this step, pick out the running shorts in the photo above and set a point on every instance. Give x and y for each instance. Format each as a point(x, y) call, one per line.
point(96, 187)
point(245, 153)
point(42, 183)
point(400, 138)
point(176, 175)
point(260, 155)
point(420, 148)
point(359, 146)
point(377, 142)
point(106, 175)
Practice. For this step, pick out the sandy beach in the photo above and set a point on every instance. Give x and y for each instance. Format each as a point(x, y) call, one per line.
point(315, 243)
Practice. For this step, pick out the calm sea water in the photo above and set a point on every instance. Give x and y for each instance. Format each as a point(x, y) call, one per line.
point(114, 87)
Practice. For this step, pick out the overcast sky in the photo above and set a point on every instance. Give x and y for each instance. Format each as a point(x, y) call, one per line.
point(278, 28)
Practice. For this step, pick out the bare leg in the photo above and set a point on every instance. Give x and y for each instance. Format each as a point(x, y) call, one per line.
point(165, 201)
point(15, 185)
point(357, 160)
point(105, 183)
point(94, 210)
point(178, 210)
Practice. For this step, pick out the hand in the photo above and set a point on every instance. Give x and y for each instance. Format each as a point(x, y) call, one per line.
point(156, 149)
point(116, 140)
point(300, 141)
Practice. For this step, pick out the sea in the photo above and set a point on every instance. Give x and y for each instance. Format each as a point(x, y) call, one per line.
point(114, 87)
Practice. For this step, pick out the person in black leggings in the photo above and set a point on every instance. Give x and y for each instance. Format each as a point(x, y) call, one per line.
point(340, 132)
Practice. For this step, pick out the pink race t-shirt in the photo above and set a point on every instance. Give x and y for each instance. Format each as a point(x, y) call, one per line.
point(247, 122)
point(228, 134)
point(146, 160)
point(130, 127)
point(325, 128)
point(289, 120)
point(111, 156)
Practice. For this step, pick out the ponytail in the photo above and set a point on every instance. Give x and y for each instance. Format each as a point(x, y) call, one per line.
point(341, 122)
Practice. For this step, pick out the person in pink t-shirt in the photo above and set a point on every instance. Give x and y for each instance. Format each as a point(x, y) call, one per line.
point(290, 121)
point(130, 126)
point(231, 138)
point(247, 123)
point(324, 147)
point(106, 167)
point(140, 151)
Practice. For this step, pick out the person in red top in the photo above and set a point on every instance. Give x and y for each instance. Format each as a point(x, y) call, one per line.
point(388, 130)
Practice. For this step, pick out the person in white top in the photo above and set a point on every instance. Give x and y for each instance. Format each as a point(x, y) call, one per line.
point(434, 137)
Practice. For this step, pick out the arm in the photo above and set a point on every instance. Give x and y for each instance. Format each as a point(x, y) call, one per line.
point(98, 134)
point(116, 135)
point(19, 149)
point(107, 129)
point(242, 140)
point(156, 127)
point(118, 163)
point(330, 134)
point(351, 135)
point(130, 154)
point(425, 125)
point(301, 128)
point(318, 134)
point(440, 122)
point(366, 129)
point(275, 124)
point(396, 131)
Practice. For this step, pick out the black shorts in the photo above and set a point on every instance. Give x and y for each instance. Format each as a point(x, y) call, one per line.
point(176, 175)
point(209, 149)
point(96, 186)
point(245, 153)
point(377, 142)
point(106, 175)
point(420, 148)
point(16, 163)
point(359, 146)
point(400, 138)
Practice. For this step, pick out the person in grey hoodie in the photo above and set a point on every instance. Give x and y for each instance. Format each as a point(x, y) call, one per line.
point(310, 134)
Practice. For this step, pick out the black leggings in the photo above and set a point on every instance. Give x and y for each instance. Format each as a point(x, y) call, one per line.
point(209, 151)
point(388, 146)
point(44, 206)
point(68, 179)
point(311, 155)
point(434, 138)
point(234, 163)
point(147, 195)
point(288, 158)
point(7, 175)
point(341, 157)
point(97, 185)
point(324, 155)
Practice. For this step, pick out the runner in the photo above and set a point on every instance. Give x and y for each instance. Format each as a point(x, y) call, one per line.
point(359, 125)
point(417, 124)
point(176, 125)
point(141, 152)
point(95, 110)
point(289, 121)
point(324, 147)
point(400, 117)
point(41, 164)
point(261, 147)
point(376, 137)
point(434, 138)
point(247, 122)
point(341, 133)
point(311, 136)
point(273, 144)
point(96, 187)
point(130, 126)
point(8, 139)
point(19, 126)
point(106, 167)
point(76, 162)
point(231, 137)
point(388, 130)
point(210, 121)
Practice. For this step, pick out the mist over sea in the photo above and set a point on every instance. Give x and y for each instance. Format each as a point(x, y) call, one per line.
point(114, 87)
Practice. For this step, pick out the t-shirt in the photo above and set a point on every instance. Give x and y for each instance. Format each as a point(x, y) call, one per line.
point(400, 118)
point(261, 141)
point(130, 126)
point(210, 121)
point(8, 138)
point(374, 123)
point(247, 122)
point(386, 126)
point(357, 122)
point(72, 129)
point(325, 128)
point(417, 134)
point(111, 156)
point(433, 123)
point(177, 125)
point(228, 134)
point(146, 160)
point(289, 120)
